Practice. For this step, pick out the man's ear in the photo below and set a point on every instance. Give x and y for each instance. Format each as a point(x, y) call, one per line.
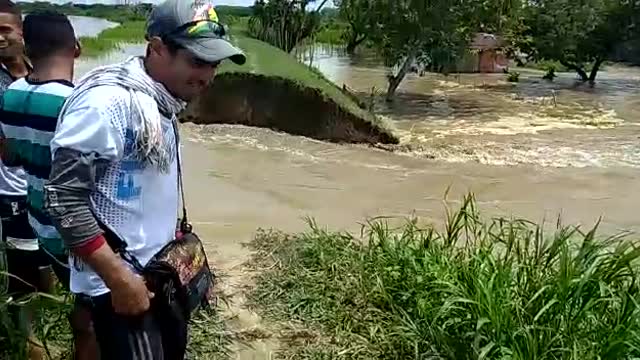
point(156, 45)
point(78, 50)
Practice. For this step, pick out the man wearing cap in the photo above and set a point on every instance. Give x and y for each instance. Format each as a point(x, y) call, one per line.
point(114, 169)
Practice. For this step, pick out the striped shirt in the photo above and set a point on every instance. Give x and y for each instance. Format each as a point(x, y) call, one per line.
point(12, 179)
point(28, 119)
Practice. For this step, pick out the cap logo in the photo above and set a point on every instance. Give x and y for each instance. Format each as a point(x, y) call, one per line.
point(204, 18)
point(205, 12)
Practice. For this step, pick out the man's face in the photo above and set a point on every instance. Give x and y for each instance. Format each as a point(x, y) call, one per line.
point(11, 44)
point(187, 76)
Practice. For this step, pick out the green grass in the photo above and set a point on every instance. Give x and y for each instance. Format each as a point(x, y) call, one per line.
point(268, 60)
point(477, 288)
point(111, 39)
point(331, 33)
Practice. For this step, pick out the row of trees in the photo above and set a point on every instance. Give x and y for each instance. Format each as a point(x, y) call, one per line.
point(580, 34)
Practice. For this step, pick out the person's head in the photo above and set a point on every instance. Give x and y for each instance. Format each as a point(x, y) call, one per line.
point(49, 35)
point(186, 44)
point(11, 44)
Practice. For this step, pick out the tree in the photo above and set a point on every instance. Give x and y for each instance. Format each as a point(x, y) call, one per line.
point(284, 23)
point(432, 33)
point(358, 15)
point(580, 34)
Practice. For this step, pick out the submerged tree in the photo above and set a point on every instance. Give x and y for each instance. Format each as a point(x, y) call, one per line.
point(433, 34)
point(284, 23)
point(581, 35)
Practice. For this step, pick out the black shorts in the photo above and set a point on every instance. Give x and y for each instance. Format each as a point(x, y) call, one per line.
point(152, 336)
point(25, 265)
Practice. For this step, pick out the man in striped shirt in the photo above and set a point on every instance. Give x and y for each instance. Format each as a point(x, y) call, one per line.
point(28, 121)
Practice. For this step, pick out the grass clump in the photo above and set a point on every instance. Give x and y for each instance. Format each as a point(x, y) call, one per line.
point(476, 289)
point(111, 39)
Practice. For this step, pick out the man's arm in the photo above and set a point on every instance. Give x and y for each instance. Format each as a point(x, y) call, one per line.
point(85, 144)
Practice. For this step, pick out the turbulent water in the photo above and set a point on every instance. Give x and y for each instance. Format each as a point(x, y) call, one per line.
point(534, 149)
point(483, 118)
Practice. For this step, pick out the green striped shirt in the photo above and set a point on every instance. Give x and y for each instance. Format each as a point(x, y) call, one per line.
point(28, 120)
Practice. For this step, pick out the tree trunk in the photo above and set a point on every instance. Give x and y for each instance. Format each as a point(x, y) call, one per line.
point(583, 74)
point(354, 42)
point(394, 81)
point(594, 71)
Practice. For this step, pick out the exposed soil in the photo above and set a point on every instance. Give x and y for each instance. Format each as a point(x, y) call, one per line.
point(283, 105)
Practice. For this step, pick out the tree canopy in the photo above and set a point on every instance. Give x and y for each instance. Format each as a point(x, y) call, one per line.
point(284, 23)
point(580, 34)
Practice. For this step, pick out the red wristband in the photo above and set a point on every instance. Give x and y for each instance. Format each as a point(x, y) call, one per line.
point(90, 246)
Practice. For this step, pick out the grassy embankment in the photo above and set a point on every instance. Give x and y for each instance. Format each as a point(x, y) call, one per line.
point(476, 289)
point(265, 59)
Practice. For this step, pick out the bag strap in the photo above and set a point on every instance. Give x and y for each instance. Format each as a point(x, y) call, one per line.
point(185, 226)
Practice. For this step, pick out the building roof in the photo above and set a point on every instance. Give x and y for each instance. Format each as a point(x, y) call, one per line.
point(485, 41)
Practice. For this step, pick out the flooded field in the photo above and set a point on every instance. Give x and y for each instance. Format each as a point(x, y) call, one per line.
point(483, 118)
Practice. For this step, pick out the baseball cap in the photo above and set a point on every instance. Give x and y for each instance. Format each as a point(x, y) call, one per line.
point(193, 24)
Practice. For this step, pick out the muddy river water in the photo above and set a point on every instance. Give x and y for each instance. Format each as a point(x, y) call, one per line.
point(536, 150)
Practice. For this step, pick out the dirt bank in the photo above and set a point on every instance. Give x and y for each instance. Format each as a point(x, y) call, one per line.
point(284, 105)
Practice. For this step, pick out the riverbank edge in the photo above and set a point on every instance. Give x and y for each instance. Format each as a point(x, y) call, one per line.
point(282, 104)
point(267, 62)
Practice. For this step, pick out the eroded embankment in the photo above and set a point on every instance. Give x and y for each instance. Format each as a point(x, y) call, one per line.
point(284, 105)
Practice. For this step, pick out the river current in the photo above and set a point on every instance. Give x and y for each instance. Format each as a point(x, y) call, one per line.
point(534, 149)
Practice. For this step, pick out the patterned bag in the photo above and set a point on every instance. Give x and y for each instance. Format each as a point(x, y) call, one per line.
point(180, 273)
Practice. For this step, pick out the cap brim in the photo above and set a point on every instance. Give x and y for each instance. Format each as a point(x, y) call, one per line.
point(213, 50)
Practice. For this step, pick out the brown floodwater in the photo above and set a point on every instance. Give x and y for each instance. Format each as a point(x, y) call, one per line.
point(534, 149)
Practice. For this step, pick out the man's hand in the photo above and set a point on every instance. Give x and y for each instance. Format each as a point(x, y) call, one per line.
point(131, 296)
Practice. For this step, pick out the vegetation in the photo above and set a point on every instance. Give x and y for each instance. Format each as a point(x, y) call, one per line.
point(475, 289)
point(331, 32)
point(51, 326)
point(208, 338)
point(357, 14)
point(115, 13)
point(432, 35)
point(581, 36)
point(111, 39)
point(284, 23)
